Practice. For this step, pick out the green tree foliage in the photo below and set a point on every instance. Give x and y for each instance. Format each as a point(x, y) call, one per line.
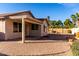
point(73, 19)
point(53, 23)
point(68, 24)
point(56, 24)
point(77, 15)
point(59, 24)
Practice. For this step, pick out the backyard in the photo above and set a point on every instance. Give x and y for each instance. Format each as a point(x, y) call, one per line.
point(45, 47)
point(53, 46)
point(75, 48)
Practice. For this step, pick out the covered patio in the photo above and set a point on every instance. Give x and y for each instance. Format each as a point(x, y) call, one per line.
point(28, 24)
point(22, 24)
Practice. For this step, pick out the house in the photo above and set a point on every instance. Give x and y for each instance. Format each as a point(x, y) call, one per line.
point(21, 24)
point(75, 30)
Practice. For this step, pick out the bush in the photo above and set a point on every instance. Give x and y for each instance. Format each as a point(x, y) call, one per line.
point(75, 48)
point(69, 31)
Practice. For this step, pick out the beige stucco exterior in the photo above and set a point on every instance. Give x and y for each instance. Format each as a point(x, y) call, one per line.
point(2, 29)
point(6, 27)
point(44, 33)
point(9, 30)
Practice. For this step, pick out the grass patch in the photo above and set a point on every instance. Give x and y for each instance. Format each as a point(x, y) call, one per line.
point(75, 48)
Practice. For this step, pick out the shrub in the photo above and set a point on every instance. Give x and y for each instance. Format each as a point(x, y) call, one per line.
point(69, 31)
point(75, 48)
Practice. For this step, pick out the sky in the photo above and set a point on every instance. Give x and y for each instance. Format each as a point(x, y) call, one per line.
point(56, 11)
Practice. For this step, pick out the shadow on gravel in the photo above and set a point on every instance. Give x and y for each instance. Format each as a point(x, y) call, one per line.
point(1, 54)
point(52, 54)
point(58, 37)
point(48, 37)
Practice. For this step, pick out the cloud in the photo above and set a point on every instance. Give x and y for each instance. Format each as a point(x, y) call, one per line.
point(69, 4)
point(73, 7)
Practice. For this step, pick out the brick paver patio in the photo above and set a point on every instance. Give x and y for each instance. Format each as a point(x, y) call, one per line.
point(37, 47)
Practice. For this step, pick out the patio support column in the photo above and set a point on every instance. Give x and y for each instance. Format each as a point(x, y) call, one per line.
point(23, 30)
point(41, 29)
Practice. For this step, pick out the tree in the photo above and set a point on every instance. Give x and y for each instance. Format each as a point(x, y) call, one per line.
point(53, 23)
point(56, 24)
point(59, 24)
point(77, 15)
point(74, 19)
point(68, 24)
point(50, 22)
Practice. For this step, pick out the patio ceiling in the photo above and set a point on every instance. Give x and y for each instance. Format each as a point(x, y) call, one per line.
point(26, 19)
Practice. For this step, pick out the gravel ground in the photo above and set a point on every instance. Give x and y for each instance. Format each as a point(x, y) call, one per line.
point(34, 48)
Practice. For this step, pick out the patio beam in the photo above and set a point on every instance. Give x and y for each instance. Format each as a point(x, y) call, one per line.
point(23, 30)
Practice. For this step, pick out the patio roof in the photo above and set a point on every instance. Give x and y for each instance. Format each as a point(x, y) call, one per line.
point(11, 14)
point(7, 15)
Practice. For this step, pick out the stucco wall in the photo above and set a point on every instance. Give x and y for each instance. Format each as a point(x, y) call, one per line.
point(35, 32)
point(59, 31)
point(75, 30)
point(9, 30)
point(28, 32)
point(2, 29)
point(44, 33)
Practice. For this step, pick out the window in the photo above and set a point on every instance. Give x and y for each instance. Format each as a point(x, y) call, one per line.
point(34, 26)
point(15, 27)
point(44, 28)
point(20, 27)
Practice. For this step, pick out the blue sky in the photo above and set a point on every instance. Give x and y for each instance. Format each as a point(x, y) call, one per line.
point(56, 11)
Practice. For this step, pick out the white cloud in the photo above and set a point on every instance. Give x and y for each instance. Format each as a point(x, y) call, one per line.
point(69, 4)
point(73, 7)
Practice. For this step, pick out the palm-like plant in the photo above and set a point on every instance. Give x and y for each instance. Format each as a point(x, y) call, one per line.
point(74, 19)
point(77, 16)
point(68, 24)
